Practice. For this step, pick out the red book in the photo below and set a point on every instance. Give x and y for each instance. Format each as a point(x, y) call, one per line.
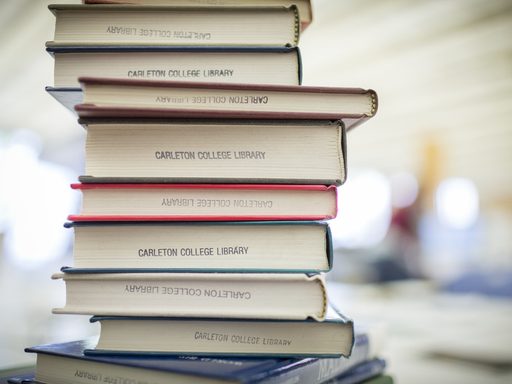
point(205, 202)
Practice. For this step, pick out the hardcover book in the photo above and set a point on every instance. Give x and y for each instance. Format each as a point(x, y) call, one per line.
point(368, 372)
point(304, 6)
point(105, 97)
point(243, 246)
point(230, 64)
point(108, 24)
point(211, 295)
point(332, 337)
point(66, 363)
point(205, 202)
point(215, 151)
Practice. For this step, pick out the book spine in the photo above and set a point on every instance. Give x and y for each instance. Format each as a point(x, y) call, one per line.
point(25, 379)
point(299, 65)
point(329, 247)
point(343, 150)
point(296, 24)
point(361, 372)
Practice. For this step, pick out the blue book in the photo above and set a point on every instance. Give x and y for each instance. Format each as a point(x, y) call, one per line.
point(67, 363)
point(361, 372)
point(370, 371)
point(332, 337)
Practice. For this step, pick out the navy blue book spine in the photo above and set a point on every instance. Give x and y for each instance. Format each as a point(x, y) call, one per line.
point(361, 372)
point(317, 371)
point(239, 370)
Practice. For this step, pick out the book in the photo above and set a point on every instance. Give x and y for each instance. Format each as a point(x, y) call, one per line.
point(108, 24)
point(17, 375)
point(370, 371)
point(204, 202)
point(211, 295)
point(258, 65)
point(105, 97)
point(367, 372)
point(244, 246)
point(215, 151)
point(304, 6)
point(379, 379)
point(66, 363)
point(332, 337)
point(363, 373)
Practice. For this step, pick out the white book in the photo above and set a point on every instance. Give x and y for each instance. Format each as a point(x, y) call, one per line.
point(108, 24)
point(210, 295)
point(190, 336)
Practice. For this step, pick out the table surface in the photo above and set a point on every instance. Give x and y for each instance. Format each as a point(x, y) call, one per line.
point(429, 336)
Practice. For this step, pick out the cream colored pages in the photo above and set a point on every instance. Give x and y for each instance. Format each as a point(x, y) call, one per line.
point(229, 151)
point(202, 246)
point(177, 97)
point(264, 296)
point(64, 370)
point(227, 67)
point(199, 336)
point(208, 201)
point(174, 25)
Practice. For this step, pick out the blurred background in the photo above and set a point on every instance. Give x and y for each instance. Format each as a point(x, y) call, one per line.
point(424, 235)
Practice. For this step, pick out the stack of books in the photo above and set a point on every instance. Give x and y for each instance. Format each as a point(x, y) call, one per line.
point(210, 173)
